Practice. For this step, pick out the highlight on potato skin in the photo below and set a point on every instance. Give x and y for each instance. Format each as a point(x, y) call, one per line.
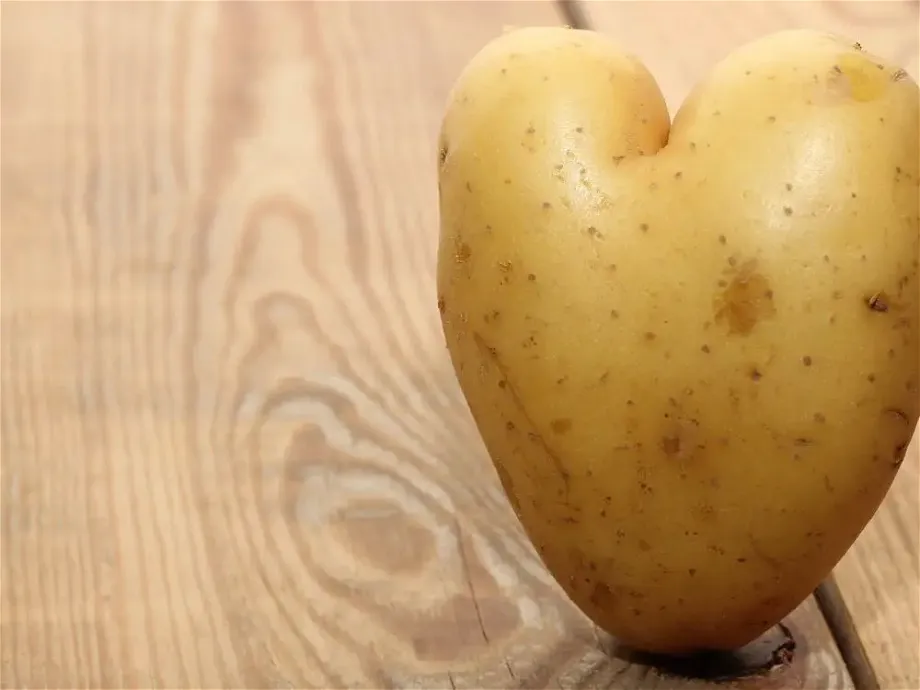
point(690, 348)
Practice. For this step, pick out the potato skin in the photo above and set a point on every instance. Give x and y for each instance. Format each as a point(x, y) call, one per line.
point(692, 354)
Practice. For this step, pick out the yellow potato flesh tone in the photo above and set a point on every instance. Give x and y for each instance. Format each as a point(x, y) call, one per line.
point(691, 350)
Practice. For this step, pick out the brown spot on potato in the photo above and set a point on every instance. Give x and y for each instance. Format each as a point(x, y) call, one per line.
point(820, 418)
point(705, 349)
point(878, 302)
point(509, 426)
point(614, 314)
point(442, 305)
point(644, 546)
point(722, 239)
point(671, 445)
point(871, 378)
point(505, 266)
point(745, 301)
point(787, 210)
point(734, 397)
point(755, 374)
point(897, 414)
point(603, 597)
point(547, 206)
point(561, 426)
point(707, 514)
point(649, 336)
point(643, 227)
point(806, 360)
point(899, 75)
point(595, 233)
point(463, 253)
point(442, 154)
point(788, 186)
point(771, 119)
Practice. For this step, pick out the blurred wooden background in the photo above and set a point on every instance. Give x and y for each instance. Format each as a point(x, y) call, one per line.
point(233, 452)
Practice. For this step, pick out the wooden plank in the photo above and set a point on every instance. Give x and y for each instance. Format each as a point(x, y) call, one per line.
point(234, 454)
point(879, 579)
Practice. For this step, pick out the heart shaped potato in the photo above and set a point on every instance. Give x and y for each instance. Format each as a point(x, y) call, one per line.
point(691, 350)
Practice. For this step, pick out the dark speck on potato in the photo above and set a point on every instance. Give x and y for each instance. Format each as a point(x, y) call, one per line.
point(561, 426)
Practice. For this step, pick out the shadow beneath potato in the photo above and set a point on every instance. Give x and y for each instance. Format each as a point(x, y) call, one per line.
point(777, 651)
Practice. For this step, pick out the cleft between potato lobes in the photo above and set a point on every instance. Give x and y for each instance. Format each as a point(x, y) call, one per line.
point(692, 362)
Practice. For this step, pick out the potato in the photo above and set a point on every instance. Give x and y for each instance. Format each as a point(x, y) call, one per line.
point(691, 350)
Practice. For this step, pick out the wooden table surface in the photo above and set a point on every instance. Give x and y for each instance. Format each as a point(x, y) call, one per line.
point(233, 450)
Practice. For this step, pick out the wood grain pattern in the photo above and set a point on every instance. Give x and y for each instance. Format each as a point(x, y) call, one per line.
point(233, 452)
point(879, 578)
